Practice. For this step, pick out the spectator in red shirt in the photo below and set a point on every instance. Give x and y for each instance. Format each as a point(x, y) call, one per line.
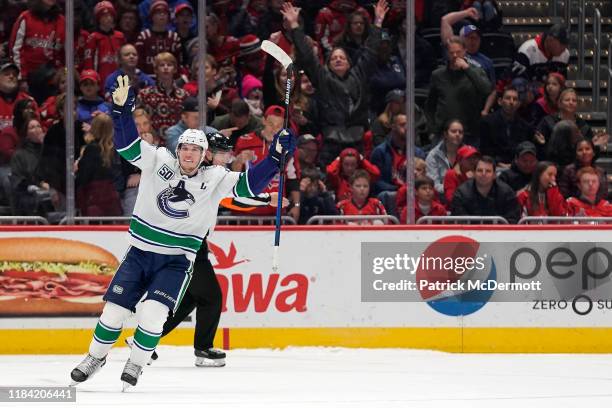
point(163, 101)
point(360, 203)
point(331, 20)
point(340, 171)
point(467, 157)
point(103, 44)
point(9, 140)
point(425, 203)
point(542, 197)
point(158, 38)
point(9, 93)
point(38, 37)
point(588, 205)
point(251, 148)
point(547, 104)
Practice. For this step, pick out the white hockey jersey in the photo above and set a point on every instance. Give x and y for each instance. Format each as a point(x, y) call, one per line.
point(174, 212)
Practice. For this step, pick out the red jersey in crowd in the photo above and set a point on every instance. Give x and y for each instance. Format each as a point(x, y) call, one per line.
point(8, 144)
point(6, 108)
point(254, 142)
point(80, 41)
point(35, 42)
point(331, 21)
point(164, 106)
point(555, 203)
point(398, 167)
point(101, 52)
point(340, 184)
point(435, 210)
point(371, 207)
point(580, 208)
point(452, 180)
point(279, 38)
point(227, 48)
point(150, 43)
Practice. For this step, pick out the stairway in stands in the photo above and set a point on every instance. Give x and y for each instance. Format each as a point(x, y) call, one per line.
point(526, 19)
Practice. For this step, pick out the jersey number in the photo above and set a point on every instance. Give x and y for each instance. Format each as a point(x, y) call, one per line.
point(165, 172)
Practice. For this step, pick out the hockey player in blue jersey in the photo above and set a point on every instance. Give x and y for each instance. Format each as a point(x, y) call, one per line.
point(176, 206)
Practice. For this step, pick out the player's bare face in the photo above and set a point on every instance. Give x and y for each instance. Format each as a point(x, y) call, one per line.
point(189, 156)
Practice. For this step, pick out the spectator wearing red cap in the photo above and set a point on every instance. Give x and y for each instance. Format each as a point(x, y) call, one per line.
point(251, 148)
point(38, 37)
point(144, 10)
point(588, 204)
point(90, 103)
point(360, 202)
point(425, 203)
point(184, 18)
point(103, 44)
point(462, 171)
point(164, 101)
point(339, 172)
point(157, 39)
point(542, 196)
point(331, 20)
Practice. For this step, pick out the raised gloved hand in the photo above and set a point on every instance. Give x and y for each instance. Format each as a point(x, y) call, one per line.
point(123, 95)
point(284, 139)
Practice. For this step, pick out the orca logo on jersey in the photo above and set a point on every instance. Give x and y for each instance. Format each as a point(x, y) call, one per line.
point(175, 201)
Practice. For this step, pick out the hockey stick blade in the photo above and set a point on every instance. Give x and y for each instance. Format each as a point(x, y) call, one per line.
point(276, 52)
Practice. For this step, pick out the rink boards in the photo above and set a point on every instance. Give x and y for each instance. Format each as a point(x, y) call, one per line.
point(316, 298)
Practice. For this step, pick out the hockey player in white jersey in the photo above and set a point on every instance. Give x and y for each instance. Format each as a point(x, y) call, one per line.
point(176, 206)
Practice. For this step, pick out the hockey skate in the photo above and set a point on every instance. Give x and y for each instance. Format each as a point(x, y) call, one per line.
point(86, 369)
point(210, 358)
point(130, 374)
point(130, 342)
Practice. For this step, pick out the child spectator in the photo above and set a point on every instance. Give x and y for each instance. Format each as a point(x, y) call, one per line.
point(38, 37)
point(587, 204)
point(99, 176)
point(542, 197)
point(104, 43)
point(340, 171)
point(252, 94)
point(360, 203)
point(158, 39)
point(585, 157)
point(425, 203)
point(467, 157)
point(547, 104)
point(163, 102)
point(91, 103)
point(314, 199)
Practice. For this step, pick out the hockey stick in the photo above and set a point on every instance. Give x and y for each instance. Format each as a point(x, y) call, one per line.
point(281, 56)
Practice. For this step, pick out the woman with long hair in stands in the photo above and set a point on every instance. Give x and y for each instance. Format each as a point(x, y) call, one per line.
point(585, 157)
point(98, 176)
point(547, 104)
point(542, 197)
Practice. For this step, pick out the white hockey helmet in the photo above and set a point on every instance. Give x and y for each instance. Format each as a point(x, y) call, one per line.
point(196, 137)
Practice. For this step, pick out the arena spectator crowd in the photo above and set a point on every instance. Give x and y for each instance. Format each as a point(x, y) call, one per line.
point(507, 143)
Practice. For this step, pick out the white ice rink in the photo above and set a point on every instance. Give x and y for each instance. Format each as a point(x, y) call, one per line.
point(331, 377)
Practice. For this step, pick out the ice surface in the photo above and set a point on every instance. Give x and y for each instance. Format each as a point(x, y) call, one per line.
point(330, 377)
